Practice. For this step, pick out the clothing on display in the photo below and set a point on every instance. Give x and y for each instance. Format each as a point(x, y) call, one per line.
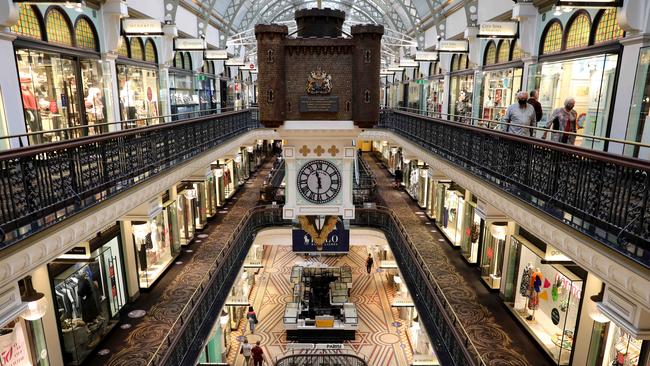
point(461, 97)
point(138, 91)
point(499, 89)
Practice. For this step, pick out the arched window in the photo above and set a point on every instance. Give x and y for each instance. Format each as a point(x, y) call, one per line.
point(29, 24)
point(578, 31)
point(517, 52)
point(454, 62)
point(503, 52)
point(607, 27)
point(490, 54)
point(552, 39)
point(150, 53)
point(178, 60)
point(462, 62)
point(85, 34)
point(123, 51)
point(187, 61)
point(212, 67)
point(137, 49)
point(57, 27)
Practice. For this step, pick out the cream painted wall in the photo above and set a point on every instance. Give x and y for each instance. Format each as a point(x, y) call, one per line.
point(455, 23)
point(186, 21)
point(489, 9)
point(212, 36)
point(152, 9)
point(430, 37)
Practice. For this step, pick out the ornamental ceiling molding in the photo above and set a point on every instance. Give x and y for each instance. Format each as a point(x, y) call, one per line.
point(611, 267)
point(48, 245)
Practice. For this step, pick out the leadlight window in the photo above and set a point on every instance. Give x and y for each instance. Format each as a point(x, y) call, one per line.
point(137, 52)
point(608, 28)
point(517, 52)
point(553, 38)
point(454, 62)
point(57, 28)
point(178, 60)
point(187, 61)
point(123, 51)
point(503, 54)
point(84, 34)
point(28, 23)
point(462, 62)
point(491, 54)
point(578, 33)
point(150, 51)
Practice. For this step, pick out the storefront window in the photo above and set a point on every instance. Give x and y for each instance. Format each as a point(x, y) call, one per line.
point(184, 97)
point(517, 52)
point(88, 295)
point(499, 89)
point(578, 32)
point(452, 211)
point(494, 240)
point(436, 97)
point(638, 126)
point(473, 228)
point(590, 81)
point(85, 35)
point(57, 27)
point(155, 245)
point(28, 24)
point(138, 92)
point(503, 53)
point(22, 342)
point(491, 54)
point(607, 28)
point(137, 49)
point(547, 301)
point(552, 40)
point(186, 215)
point(618, 349)
point(150, 53)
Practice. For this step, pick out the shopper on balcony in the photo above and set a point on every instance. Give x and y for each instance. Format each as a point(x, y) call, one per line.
point(532, 100)
point(563, 119)
point(252, 319)
point(519, 116)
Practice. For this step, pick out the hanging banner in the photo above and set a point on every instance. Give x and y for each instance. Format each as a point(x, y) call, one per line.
point(14, 350)
point(189, 44)
point(498, 30)
point(215, 55)
point(426, 56)
point(338, 240)
point(590, 3)
point(142, 27)
point(453, 46)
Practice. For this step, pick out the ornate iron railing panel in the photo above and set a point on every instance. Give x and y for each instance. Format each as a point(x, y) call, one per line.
point(42, 185)
point(364, 188)
point(340, 359)
point(602, 195)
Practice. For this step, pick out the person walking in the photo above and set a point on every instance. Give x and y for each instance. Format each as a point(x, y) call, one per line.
point(519, 116)
point(246, 350)
point(533, 100)
point(369, 263)
point(399, 176)
point(563, 119)
point(258, 355)
point(252, 319)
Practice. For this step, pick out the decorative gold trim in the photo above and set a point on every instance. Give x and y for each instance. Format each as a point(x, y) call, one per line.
point(304, 150)
point(308, 224)
point(319, 150)
point(333, 150)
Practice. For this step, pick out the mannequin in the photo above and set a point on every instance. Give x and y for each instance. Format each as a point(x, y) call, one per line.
point(535, 286)
point(29, 105)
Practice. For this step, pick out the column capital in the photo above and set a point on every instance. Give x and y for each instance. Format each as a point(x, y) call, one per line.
point(521, 11)
point(8, 13)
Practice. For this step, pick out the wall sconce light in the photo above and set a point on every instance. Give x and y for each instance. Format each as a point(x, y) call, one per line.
point(499, 230)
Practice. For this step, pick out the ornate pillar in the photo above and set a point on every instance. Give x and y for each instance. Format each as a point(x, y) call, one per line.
point(526, 14)
point(9, 86)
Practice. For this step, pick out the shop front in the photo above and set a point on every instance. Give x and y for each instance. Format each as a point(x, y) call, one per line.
point(501, 79)
point(415, 94)
point(450, 211)
point(202, 205)
point(89, 291)
point(461, 89)
point(493, 251)
point(61, 75)
point(435, 90)
point(206, 85)
point(611, 345)
point(473, 229)
point(187, 208)
point(589, 78)
point(183, 94)
point(138, 81)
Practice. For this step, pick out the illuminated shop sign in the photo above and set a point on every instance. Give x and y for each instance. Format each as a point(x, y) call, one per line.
point(189, 44)
point(215, 55)
point(426, 56)
point(142, 27)
point(337, 241)
point(446, 45)
point(498, 30)
point(235, 62)
point(407, 62)
point(590, 3)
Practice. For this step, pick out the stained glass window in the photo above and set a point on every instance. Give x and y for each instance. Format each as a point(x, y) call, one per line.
point(124, 47)
point(84, 34)
point(608, 28)
point(58, 30)
point(462, 62)
point(454, 62)
point(150, 51)
point(187, 61)
point(178, 60)
point(503, 55)
point(491, 54)
point(517, 52)
point(137, 52)
point(28, 24)
point(578, 33)
point(553, 38)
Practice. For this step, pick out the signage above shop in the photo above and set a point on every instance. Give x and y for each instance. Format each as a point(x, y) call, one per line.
point(189, 44)
point(386, 73)
point(446, 45)
point(215, 55)
point(498, 30)
point(235, 62)
point(590, 3)
point(395, 69)
point(251, 66)
point(426, 56)
point(338, 240)
point(142, 27)
point(407, 62)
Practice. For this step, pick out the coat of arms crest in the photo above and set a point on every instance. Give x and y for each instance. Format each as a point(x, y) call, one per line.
point(319, 83)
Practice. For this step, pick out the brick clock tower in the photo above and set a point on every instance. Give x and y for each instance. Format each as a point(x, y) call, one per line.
point(319, 89)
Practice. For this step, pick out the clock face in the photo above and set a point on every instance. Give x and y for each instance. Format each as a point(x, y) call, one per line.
point(319, 181)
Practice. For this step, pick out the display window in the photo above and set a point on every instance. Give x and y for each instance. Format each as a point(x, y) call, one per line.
point(435, 97)
point(22, 343)
point(492, 253)
point(423, 186)
point(414, 95)
point(201, 203)
point(461, 89)
point(616, 346)
point(183, 94)
point(88, 294)
point(206, 86)
point(499, 90)
point(138, 90)
point(547, 300)
point(473, 226)
point(451, 201)
point(186, 211)
point(638, 125)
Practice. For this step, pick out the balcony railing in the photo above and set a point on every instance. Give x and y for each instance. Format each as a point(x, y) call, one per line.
point(42, 185)
point(602, 195)
point(340, 359)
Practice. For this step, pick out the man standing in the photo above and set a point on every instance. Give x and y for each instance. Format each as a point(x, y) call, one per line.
point(258, 355)
point(532, 100)
point(369, 263)
point(520, 114)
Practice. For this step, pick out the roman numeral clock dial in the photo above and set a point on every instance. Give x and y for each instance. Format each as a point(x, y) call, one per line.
point(319, 181)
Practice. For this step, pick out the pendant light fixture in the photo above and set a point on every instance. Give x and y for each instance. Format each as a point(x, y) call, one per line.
point(36, 301)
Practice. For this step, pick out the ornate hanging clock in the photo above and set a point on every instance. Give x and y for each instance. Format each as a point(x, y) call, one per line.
point(319, 181)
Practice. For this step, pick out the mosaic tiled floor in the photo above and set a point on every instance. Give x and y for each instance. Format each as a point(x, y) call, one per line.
point(378, 341)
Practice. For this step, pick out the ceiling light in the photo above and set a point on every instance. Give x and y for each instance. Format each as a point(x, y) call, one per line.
point(36, 302)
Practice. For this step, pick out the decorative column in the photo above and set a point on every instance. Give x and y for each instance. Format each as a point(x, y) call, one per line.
point(166, 59)
point(526, 14)
point(113, 11)
point(11, 100)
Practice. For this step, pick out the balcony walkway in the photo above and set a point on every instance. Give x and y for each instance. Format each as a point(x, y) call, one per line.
point(163, 304)
point(494, 332)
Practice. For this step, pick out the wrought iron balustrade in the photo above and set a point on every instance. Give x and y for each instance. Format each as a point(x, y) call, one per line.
point(272, 189)
point(42, 185)
point(340, 359)
point(364, 188)
point(604, 196)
